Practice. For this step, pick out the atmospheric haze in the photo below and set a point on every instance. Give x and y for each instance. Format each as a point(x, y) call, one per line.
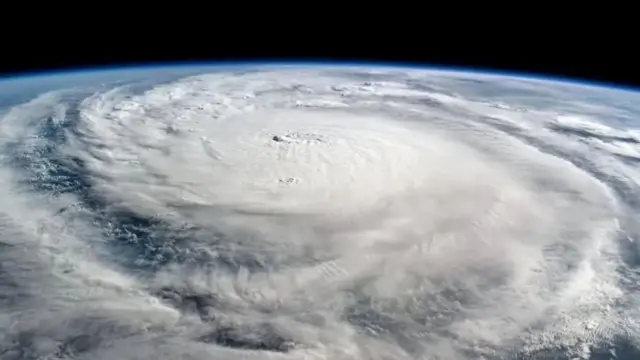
point(317, 212)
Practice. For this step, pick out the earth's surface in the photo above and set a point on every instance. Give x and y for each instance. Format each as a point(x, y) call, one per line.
point(317, 212)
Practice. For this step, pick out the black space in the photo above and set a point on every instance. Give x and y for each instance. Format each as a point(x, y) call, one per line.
point(583, 57)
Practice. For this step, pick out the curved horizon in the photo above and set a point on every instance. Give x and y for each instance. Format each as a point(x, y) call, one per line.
point(221, 64)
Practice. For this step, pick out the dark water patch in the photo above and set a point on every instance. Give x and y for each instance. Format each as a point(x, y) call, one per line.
point(205, 305)
point(621, 349)
point(628, 159)
point(78, 345)
point(585, 133)
point(77, 336)
point(387, 326)
point(254, 337)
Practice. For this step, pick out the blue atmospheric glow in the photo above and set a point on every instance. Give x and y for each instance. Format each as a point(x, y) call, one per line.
point(156, 66)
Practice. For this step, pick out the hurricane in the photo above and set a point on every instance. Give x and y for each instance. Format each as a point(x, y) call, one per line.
point(317, 212)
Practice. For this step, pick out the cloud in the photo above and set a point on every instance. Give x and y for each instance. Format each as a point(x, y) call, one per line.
point(216, 216)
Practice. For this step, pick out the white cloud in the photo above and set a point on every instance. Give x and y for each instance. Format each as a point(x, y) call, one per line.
point(354, 230)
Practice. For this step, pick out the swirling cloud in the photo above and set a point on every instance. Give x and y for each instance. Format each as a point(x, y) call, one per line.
point(344, 213)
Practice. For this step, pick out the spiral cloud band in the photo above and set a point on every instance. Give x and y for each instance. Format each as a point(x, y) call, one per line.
point(318, 213)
